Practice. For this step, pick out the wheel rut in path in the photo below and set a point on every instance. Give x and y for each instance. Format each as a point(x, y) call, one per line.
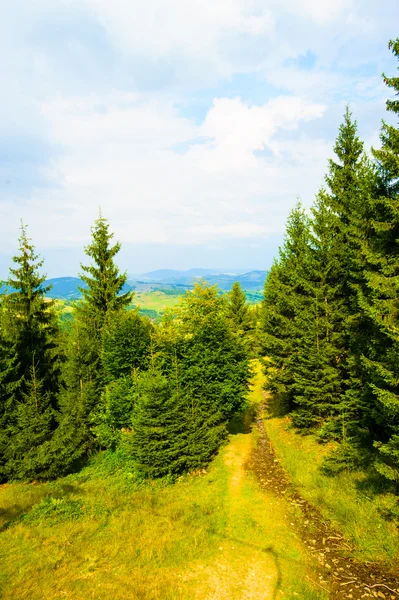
point(339, 573)
point(239, 571)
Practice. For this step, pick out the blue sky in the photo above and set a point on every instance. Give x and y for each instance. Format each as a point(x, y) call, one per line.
point(194, 125)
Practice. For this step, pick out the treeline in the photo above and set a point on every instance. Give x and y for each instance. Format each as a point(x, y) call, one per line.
point(161, 395)
point(331, 305)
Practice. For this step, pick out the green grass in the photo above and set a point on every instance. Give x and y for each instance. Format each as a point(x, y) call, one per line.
point(356, 509)
point(103, 534)
point(155, 300)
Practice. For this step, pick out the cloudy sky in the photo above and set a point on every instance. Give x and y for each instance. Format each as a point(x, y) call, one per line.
point(194, 125)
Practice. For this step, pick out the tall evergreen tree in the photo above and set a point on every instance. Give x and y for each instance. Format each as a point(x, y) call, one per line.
point(214, 360)
point(379, 299)
point(30, 374)
point(284, 294)
point(238, 311)
point(30, 320)
point(104, 283)
point(102, 301)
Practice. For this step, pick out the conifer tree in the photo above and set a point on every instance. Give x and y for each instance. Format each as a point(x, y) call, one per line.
point(379, 299)
point(102, 301)
point(214, 360)
point(30, 374)
point(126, 344)
point(317, 378)
point(30, 320)
point(28, 455)
point(174, 429)
point(284, 294)
point(238, 311)
point(9, 383)
point(102, 278)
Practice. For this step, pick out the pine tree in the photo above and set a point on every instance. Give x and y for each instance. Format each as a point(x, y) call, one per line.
point(238, 311)
point(29, 379)
point(379, 298)
point(214, 361)
point(174, 431)
point(284, 294)
point(9, 383)
point(30, 320)
point(28, 455)
point(104, 283)
point(317, 378)
point(126, 344)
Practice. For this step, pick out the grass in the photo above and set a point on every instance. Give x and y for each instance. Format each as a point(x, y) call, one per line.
point(103, 534)
point(155, 300)
point(362, 513)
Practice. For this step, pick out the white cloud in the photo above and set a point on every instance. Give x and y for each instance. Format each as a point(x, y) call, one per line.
point(77, 75)
point(188, 26)
point(118, 152)
point(235, 130)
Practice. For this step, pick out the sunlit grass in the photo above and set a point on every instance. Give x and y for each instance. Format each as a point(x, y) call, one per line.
point(102, 534)
point(345, 499)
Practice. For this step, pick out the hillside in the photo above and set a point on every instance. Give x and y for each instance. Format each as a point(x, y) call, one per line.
point(243, 528)
point(66, 288)
point(101, 534)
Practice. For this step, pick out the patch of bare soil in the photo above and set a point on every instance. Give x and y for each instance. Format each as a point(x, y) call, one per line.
point(339, 574)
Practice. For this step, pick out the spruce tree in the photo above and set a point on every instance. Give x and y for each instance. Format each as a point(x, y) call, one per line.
point(126, 343)
point(214, 360)
point(30, 373)
point(104, 283)
point(174, 429)
point(28, 453)
point(284, 294)
point(238, 311)
point(379, 298)
point(317, 378)
point(9, 384)
point(30, 321)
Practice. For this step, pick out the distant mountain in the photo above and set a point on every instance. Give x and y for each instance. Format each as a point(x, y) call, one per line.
point(253, 280)
point(66, 288)
point(167, 274)
point(171, 277)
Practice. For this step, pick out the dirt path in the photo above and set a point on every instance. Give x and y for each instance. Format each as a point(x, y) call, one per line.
point(238, 571)
point(342, 575)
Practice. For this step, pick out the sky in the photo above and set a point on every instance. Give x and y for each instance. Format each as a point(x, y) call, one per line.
point(195, 126)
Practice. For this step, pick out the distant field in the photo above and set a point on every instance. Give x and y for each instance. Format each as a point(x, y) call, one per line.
point(152, 304)
point(159, 300)
point(155, 300)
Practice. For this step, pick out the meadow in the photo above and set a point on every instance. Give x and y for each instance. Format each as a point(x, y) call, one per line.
point(102, 533)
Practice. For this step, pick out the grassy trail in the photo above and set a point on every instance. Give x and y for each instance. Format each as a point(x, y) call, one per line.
point(99, 534)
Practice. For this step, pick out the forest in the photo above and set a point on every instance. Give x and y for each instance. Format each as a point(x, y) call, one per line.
point(163, 394)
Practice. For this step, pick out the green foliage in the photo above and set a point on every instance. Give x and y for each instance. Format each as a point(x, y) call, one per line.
point(238, 312)
point(379, 299)
point(29, 321)
point(53, 511)
point(103, 280)
point(159, 439)
point(29, 380)
point(115, 412)
point(284, 298)
point(125, 344)
point(30, 433)
point(330, 313)
point(101, 300)
point(214, 361)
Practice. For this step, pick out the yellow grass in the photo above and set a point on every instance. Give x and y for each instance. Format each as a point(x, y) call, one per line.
point(100, 534)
